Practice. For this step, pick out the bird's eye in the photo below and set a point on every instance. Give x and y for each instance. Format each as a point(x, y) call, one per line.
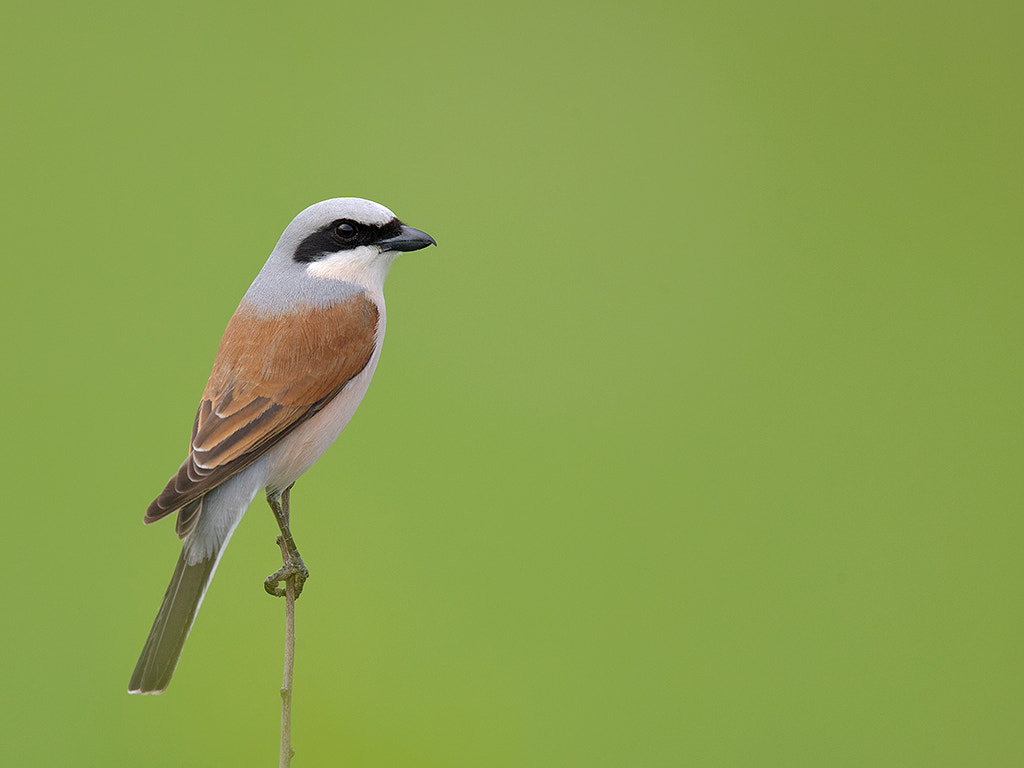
point(346, 231)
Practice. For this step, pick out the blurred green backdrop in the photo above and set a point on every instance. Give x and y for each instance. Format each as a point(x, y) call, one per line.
point(696, 442)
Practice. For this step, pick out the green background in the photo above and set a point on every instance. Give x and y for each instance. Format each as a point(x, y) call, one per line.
point(697, 440)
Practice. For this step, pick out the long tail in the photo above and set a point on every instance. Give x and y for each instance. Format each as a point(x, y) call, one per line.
point(212, 519)
point(177, 613)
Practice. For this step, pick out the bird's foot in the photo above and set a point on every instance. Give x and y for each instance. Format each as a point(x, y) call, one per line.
point(294, 569)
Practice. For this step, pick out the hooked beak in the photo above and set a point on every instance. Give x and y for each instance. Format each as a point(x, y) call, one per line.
point(409, 239)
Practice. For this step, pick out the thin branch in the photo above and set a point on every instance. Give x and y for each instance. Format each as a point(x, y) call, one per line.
point(293, 573)
point(289, 666)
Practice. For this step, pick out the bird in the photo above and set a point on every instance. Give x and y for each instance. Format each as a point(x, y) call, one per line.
point(292, 366)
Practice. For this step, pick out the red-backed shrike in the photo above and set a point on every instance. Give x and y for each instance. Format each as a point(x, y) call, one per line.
point(291, 369)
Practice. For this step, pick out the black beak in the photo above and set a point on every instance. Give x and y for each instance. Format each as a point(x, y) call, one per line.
point(409, 239)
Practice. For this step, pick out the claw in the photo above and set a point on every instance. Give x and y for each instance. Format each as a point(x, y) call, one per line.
point(293, 569)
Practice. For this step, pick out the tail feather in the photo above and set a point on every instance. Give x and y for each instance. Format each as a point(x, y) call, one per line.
point(207, 524)
point(174, 620)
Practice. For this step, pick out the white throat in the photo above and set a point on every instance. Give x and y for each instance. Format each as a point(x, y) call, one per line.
point(367, 266)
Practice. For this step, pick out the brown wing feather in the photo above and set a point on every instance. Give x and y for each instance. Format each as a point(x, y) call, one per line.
point(254, 398)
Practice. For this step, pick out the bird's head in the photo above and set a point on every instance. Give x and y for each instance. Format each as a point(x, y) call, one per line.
point(342, 239)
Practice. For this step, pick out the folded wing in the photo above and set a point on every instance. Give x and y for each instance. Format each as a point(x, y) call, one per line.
point(271, 375)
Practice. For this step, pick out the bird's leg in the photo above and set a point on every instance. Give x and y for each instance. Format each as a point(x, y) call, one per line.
point(293, 567)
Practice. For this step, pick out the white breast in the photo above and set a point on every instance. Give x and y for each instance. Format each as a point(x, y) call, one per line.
point(299, 451)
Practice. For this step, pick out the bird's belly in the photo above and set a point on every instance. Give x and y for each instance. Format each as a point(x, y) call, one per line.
point(296, 453)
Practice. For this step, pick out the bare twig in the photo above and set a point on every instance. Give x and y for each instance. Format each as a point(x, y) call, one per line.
point(289, 666)
point(293, 573)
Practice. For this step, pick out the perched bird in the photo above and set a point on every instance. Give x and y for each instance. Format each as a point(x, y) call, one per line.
point(293, 365)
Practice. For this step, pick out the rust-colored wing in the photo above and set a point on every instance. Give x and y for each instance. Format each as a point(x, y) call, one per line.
point(271, 374)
